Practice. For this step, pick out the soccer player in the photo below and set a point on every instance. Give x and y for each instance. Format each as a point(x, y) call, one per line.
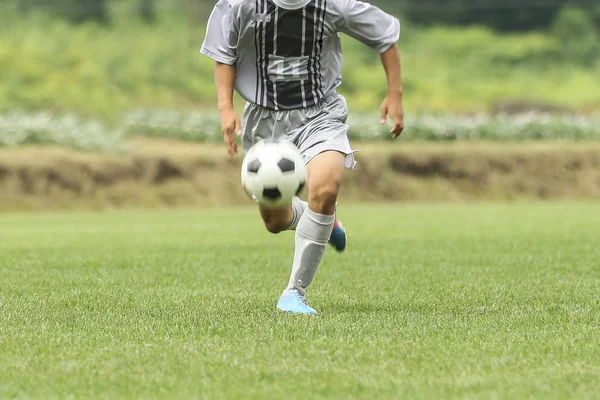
point(284, 58)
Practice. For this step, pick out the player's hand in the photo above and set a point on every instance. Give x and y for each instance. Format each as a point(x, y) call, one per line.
point(230, 126)
point(392, 107)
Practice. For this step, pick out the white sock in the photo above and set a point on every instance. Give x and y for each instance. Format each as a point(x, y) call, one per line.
point(312, 234)
point(298, 207)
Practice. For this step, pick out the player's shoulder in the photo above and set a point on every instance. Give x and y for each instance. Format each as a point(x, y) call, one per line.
point(340, 7)
point(235, 4)
point(336, 4)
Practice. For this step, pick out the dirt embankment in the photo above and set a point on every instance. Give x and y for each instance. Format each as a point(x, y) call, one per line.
point(169, 174)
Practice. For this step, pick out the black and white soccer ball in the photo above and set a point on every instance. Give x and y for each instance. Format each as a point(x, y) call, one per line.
point(273, 172)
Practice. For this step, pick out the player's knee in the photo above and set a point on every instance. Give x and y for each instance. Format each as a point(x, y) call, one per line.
point(323, 198)
point(274, 226)
point(276, 220)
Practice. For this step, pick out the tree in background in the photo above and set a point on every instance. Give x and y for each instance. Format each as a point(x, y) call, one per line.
point(574, 28)
point(499, 14)
point(502, 15)
point(96, 10)
point(76, 11)
point(148, 10)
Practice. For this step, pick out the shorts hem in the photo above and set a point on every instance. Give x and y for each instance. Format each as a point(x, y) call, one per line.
point(349, 161)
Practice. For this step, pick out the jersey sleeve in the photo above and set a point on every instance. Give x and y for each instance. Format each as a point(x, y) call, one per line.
point(221, 37)
point(369, 24)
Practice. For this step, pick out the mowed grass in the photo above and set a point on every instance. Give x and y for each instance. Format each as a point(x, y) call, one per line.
point(429, 301)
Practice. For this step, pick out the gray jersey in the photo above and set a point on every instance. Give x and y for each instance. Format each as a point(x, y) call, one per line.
point(292, 58)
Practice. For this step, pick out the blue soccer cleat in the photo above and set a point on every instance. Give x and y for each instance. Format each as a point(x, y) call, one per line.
point(291, 301)
point(338, 237)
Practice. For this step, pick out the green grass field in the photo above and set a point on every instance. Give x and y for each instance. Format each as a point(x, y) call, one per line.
point(444, 301)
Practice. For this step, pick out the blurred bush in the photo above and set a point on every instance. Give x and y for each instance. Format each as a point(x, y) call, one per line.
point(65, 130)
point(68, 130)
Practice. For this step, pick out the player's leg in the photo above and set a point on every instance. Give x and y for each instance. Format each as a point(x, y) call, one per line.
point(260, 124)
point(314, 229)
point(325, 172)
point(277, 220)
point(287, 218)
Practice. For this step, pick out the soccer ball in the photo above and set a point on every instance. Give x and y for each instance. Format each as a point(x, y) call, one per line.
point(273, 172)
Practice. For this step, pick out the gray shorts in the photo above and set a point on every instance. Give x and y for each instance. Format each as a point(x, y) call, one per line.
point(313, 130)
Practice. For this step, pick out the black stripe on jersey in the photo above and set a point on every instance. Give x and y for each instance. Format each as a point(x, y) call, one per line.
point(258, 39)
point(289, 33)
point(309, 45)
point(275, 36)
point(317, 48)
point(320, 49)
point(269, 47)
point(257, 50)
point(315, 52)
point(313, 71)
point(290, 43)
point(289, 94)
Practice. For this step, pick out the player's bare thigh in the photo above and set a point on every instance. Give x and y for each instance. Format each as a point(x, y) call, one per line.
point(325, 173)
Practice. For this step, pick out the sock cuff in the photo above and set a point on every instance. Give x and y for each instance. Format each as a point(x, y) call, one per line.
point(316, 227)
point(320, 219)
point(298, 208)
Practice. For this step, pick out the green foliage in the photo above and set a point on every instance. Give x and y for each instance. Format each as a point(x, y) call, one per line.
point(106, 72)
point(447, 69)
point(524, 15)
point(579, 39)
point(75, 11)
point(100, 72)
point(492, 13)
point(148, 10)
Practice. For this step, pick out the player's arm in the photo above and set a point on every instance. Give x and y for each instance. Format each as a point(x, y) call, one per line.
point(392, 105)
point(230, 121)
point(380, 31)
point(220, 45)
